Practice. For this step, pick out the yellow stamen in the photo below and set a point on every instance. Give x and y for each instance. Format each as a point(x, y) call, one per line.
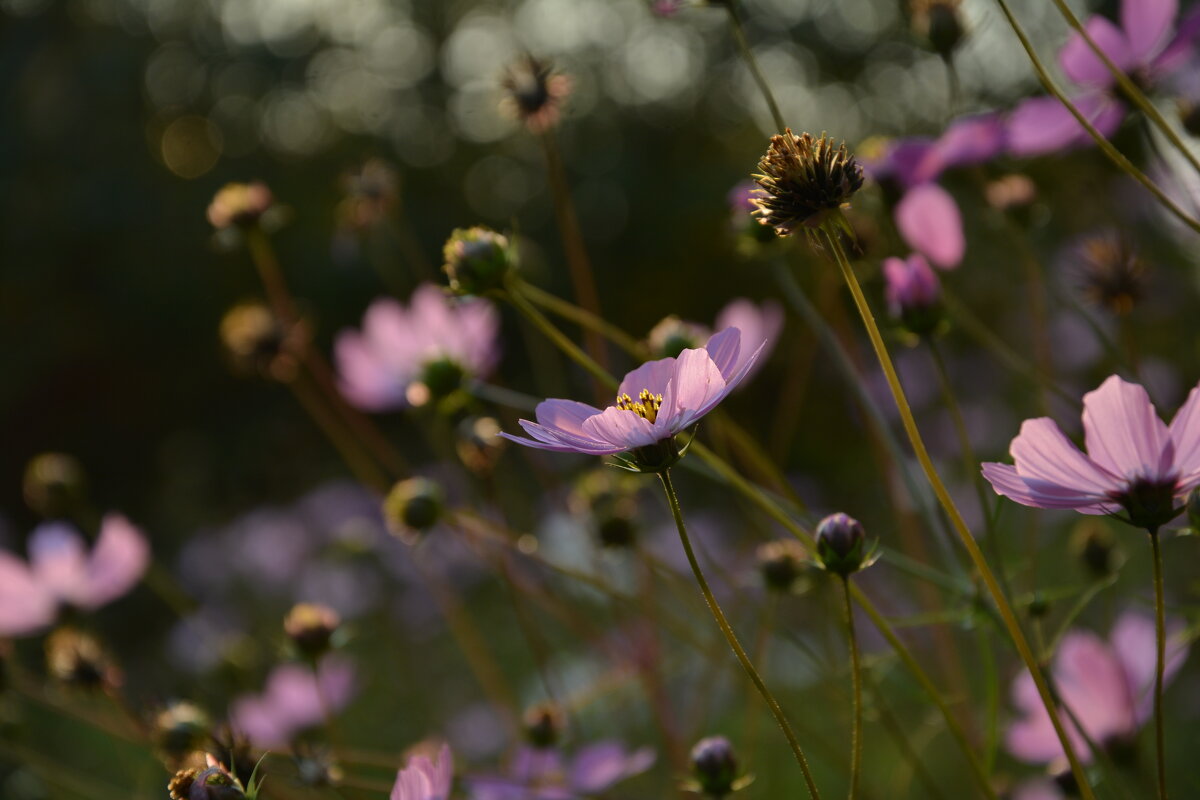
point(646, 406)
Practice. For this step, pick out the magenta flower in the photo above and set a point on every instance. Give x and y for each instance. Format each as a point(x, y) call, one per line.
point(61, 570)
point(545, 775)
point(1107, 686)
point(425, 779)
point(292, 702)
point(1133, 462)
point(914, 293)
point(406, 356)
point(1145, 47)
point(655, 402)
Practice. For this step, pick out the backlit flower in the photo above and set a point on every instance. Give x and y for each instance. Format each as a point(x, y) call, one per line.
point(425, 778)
point(534, 93)
point(293, 701)
point(655, 402)
point(407, 356)
point(1107, 686)
point(545, 774)
point(1133, 463)
point(802, 179)
point(61, 570)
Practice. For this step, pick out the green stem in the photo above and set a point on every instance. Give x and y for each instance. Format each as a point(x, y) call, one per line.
point(731, 637)
point(583, 318)
point(1107, 147)
point(521, 303)
point(1160, 636)
point(1129, 88)
point(856, 682)
point(743, 45)
point(956, 520)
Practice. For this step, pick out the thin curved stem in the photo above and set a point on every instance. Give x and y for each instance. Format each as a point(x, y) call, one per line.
point(731, 637)
point(1129, 88)
point(1107, 147)
point(956, 520)
point(856, 682)
point(1160, 639)
point(743, 44)
point(515, 296)
point(583, 318)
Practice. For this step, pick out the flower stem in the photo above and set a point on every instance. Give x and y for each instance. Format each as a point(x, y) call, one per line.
point(731, 637)
point(583, 318)
point(856, 682)
point(1160, 637)
point(569, 348)
point(956, 520)
point(743, 45)
point(1107, 147)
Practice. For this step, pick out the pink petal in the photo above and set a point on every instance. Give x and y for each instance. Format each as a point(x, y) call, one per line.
point(653, 376)
point(1032, 738)
point(1083, 66)
point(1091, 682)
point(117, 563)
point(697, 386)
point(621, 429)
point(58, 558)
point(560, 442)
point(968, 140)
point(1044, 455)
point(1123, 432)
point(725, 349)
point(1147, 25)
point(1185, 434)
point(1133, 641)
point(364, 380)
point(25, 605)
point(564, 415)
point(1038, 790)
point(1043, 125)
point(930, 222)
point(1040, 494)
point(757, 324)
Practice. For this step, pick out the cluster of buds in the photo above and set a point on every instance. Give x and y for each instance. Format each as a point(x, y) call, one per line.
point(477, 260)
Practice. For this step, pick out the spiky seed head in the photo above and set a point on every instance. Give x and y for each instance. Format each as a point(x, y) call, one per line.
point(803, 178)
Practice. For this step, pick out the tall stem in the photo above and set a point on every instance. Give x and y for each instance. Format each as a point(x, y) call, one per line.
point(956, 520)
point(856, 682)
point(1160, 637)
point(731, 637)
point(743, 45)
point(572, 350)
point(583, 318)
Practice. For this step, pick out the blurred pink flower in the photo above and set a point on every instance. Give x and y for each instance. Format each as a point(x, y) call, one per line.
point(546, 775)
point(1134, 462)
point(292, 701)
point(1107, 686)
point(425, 779)
point(402, 355)
point(61, 570)
point(914, 294)
point(930, 222)
point(757, 323)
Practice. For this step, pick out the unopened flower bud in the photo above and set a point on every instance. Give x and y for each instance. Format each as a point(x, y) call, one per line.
point(841, 544)
point(479, 444)
point(671, 336)
point(616, 529)
point(544, 725)
point(914, 294)
point(413, 505)
point(714, 766)
point(477, 260)
point(78, 659)
point(940, 22)
point(180, 729)
point(239, 205)
point(54, 485)
point(1093, 544)
point(211, 783)
point(311, 627)
point(782, 563)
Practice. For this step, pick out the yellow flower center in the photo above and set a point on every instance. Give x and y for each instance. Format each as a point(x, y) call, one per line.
point(646, 406)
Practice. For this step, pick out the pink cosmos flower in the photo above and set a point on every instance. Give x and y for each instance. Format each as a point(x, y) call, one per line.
point(425, 779)
point(1143, 47)
point(1133, 462)
point(655, 402)
point(293, 701)
point(405, 356)
point(545, 775)
point(1108, 687)
point(930, 222)
point(62, 571)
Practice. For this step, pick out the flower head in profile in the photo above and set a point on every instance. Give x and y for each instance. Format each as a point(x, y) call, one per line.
point(534, 93)
point(1134, 462)
point(803, 179)
point(425, 778)
point(655, 402)
point(546, 774)
point(63, 571)
point(409, 355)
point(1107, 686)
point(294, 700)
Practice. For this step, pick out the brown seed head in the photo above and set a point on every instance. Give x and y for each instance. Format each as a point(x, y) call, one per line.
point(802, 179)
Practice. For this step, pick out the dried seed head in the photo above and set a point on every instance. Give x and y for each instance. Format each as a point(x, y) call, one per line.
point(1112, 272)
point(802, 179)
point(534, 93)
point(79, 660)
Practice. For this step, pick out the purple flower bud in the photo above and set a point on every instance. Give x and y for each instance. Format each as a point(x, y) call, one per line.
point(714, 766)
point(841, 544)
point(914, 294)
